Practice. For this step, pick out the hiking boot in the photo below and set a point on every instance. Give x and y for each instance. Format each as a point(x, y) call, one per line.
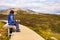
point(18, 30)
point(10, 35)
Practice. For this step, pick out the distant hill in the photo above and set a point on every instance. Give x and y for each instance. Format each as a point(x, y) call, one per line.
point(6, 11)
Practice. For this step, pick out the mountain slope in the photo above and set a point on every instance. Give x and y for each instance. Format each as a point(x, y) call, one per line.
point(47, 25)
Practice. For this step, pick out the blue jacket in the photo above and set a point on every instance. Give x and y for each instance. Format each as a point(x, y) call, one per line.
point(10, 18)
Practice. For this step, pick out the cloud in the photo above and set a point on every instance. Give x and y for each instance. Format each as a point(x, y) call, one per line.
point(50, 6)
point(42, 0)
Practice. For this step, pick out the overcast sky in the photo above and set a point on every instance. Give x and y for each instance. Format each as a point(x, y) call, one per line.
point(50, 6)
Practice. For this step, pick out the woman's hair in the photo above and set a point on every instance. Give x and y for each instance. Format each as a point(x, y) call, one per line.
point(11, 11)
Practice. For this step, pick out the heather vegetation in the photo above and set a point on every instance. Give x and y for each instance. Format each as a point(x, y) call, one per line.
point(3, 32)
point(47, 25)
